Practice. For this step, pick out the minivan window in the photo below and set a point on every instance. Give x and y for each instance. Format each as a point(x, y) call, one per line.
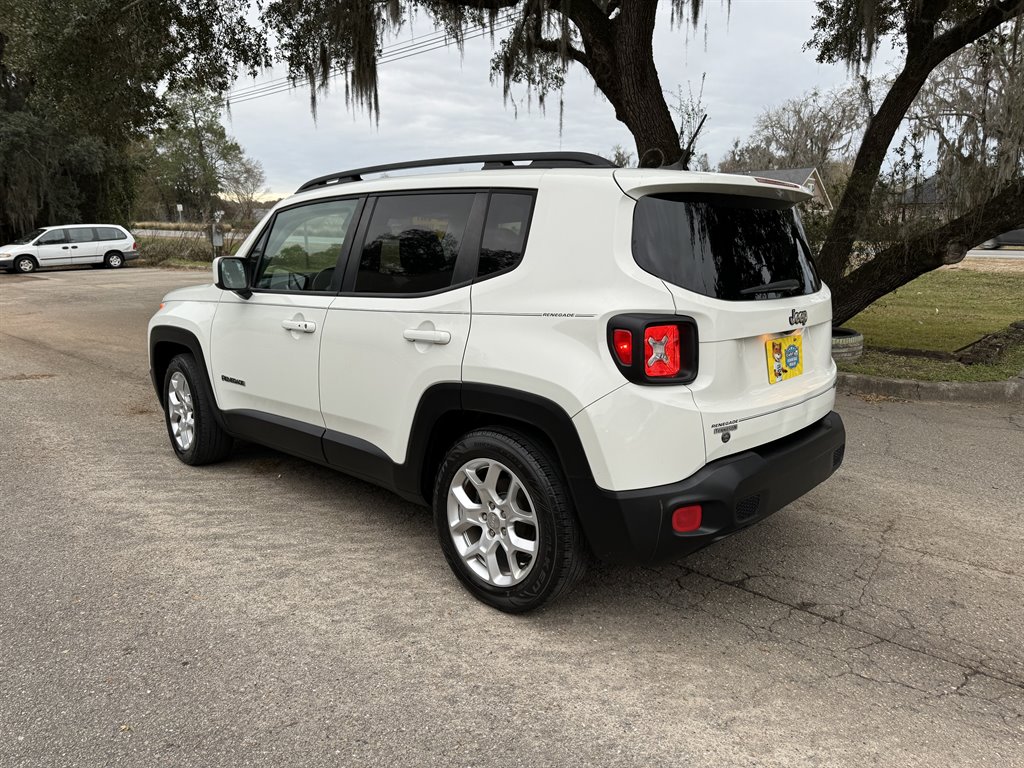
point(53, 237)
point(80, 234)
point(412, 243)
point(508, 218)
point(724, 246)
point(303, 246)
point(109, 233)
point(26, 239)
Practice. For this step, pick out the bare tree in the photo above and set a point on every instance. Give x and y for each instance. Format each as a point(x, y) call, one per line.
point(818, 130)
point(243, 182)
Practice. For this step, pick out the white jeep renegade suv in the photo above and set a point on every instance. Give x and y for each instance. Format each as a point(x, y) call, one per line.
point(559, 356)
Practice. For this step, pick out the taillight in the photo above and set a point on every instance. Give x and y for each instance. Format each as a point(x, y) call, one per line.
point(661, 350)
point(623, 345)
point(135, 246)
point(654, 349)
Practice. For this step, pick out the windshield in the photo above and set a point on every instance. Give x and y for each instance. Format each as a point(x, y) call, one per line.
point(25, 239)
point(724, 246)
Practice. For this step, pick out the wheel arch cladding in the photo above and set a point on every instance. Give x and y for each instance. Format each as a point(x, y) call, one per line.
point(167, 342)
point(448, 411)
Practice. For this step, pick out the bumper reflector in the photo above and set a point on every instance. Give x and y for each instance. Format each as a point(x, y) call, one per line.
point(686, 519)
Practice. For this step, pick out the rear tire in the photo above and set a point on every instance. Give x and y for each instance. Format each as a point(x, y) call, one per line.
point(506, 522)
point(189, 412)
point(114, 260)
point(24, 265)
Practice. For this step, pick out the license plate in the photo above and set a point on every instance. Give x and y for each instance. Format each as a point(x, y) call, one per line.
point(785, 357)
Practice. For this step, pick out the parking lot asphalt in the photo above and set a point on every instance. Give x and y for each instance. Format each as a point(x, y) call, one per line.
point(267, 611)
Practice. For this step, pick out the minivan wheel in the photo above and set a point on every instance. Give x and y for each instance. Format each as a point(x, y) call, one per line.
point(505, 521)
point(195, 435)
point(25, 265)
point(113, 260)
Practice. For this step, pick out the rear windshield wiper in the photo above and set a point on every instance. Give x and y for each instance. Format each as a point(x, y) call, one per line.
point(778, 286)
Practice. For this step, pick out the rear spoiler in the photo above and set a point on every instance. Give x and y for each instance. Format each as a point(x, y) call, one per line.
point(637, 182)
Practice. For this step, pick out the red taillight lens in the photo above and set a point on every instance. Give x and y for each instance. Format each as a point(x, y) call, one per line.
point(686, 519)
point(135, 246)
point(661, 350)
point(623, 344)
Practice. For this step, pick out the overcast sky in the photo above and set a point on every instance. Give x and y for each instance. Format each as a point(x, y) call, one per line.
point(440, 103)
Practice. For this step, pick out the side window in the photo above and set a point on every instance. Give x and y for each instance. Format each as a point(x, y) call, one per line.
point(79, 234)
point(303, 246)
point(109, 233)
point(508, 218)
point(53, 237)
point(412, 243)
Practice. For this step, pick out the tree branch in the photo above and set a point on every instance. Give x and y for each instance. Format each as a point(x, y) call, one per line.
point(556, 47)
point(588, 18)
point(856, 199)
point(969, 31)
point(947, 244)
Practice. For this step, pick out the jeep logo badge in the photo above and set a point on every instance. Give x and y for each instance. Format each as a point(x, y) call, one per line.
point(799, 317)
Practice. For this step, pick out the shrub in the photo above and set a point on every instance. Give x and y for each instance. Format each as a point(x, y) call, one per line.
point(157, 250)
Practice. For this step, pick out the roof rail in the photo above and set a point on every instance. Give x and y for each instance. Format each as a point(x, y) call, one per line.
point(490, 162)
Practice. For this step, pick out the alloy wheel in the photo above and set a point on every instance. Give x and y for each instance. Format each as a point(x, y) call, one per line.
point(181, 411)
point(493, 522)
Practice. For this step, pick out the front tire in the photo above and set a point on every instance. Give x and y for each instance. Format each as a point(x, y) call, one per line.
point(114, 260)
point(189, 410)
point(505, 521)
point(25, 265)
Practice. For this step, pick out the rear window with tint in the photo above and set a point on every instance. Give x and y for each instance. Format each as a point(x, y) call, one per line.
point(109, 233)
point(508, 218)
point(412, 243)
point(724, 246)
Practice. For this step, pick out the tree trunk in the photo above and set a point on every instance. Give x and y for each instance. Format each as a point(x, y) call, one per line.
point(619, 54)
point(856, 200)
point(898, 264)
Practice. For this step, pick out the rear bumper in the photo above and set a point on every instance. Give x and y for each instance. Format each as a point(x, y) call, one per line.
point(130, 255)
point(734, 492)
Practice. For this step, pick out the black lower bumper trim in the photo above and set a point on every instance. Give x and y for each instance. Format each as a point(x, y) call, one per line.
point(734, 492)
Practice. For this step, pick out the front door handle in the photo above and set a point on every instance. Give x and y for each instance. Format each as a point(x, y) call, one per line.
point(431, 337)
point(302, 326)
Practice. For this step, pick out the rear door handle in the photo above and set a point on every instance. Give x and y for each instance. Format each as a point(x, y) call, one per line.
point(431, 337)
point(303, 326)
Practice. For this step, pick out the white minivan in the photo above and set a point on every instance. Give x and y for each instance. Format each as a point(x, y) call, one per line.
point(98, 244)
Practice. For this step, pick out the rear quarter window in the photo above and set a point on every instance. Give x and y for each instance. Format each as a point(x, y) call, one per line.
point(110, 233)
point(724, 246)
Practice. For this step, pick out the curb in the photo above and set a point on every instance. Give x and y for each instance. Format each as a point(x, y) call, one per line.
point(1009, 391)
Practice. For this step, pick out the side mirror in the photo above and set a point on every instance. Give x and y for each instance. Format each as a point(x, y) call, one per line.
point(232, 275)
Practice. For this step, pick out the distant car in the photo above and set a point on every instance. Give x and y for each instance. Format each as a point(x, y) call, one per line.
point(98, 244)
point(1013, 237)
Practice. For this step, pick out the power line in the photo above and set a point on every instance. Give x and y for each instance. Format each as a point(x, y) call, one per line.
point(433, 37)
point(384, 59)
point(389, 54)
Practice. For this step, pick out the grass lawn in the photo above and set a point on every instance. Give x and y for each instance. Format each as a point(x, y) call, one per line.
point(941, 311)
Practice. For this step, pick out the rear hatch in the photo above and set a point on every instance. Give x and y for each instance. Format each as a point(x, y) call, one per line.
point(733, 254)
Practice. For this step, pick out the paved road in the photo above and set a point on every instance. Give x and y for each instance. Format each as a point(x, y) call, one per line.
point(270, 612)
point(999, 253)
